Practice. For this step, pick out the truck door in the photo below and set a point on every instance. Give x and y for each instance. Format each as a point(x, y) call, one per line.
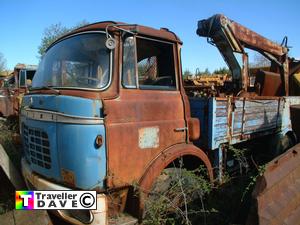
point(148, 116)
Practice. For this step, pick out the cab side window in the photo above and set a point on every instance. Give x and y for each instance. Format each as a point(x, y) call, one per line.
point(148, 65)
point(155, 62)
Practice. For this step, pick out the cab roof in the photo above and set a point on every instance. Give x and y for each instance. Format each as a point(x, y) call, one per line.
point(22, 66)
point(162, 33)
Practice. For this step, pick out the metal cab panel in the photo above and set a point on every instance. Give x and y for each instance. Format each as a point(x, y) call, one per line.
point(75, 106)
point(82, 164)
point(59, 134)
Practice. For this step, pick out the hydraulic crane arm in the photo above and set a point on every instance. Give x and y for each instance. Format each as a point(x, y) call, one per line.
point(231, 38)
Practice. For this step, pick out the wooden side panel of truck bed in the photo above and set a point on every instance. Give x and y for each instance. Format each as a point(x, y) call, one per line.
point(233, 120)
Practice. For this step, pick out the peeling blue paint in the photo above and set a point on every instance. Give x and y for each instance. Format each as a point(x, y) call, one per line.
point(72, 146)
point(228, 120)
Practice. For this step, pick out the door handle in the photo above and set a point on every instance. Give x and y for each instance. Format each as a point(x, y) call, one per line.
point(180, 129)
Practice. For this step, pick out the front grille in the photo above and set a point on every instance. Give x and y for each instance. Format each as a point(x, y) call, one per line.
point(37, 146)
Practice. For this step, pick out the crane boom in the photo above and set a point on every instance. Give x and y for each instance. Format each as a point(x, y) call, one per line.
point(231, 38)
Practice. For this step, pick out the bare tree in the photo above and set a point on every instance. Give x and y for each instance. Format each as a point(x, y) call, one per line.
point(260, 61)
point(53, 32)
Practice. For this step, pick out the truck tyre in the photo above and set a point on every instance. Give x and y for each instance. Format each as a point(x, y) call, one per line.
point(284, 143)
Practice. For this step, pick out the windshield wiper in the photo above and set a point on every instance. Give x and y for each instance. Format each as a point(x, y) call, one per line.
point(47, 88)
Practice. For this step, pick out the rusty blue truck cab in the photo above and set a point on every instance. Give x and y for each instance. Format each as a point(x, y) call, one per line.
point(93, 121)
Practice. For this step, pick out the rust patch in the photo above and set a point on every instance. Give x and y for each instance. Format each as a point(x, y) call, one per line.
point(269, 82)
point(116, 202)
point(169, 155)
point(277, 193)
point(9, 103)
point(68, 177)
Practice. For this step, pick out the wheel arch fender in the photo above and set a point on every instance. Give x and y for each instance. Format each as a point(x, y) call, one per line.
point(169, 155)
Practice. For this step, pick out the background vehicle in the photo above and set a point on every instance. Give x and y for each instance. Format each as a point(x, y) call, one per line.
point(108, 109)
point(13, 87)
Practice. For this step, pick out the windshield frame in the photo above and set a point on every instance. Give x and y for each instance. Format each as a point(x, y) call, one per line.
point(81, 88)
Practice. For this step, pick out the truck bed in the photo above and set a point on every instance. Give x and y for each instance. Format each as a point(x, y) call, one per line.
point(236, 119)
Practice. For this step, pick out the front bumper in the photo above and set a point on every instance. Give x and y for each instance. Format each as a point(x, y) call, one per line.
point(34, 181)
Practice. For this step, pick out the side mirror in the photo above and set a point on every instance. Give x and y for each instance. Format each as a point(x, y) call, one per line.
point(110, 43)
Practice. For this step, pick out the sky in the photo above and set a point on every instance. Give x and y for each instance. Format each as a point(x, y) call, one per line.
point(23, 22)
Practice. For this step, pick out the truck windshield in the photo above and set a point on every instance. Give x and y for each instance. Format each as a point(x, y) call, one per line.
point(81, 61)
